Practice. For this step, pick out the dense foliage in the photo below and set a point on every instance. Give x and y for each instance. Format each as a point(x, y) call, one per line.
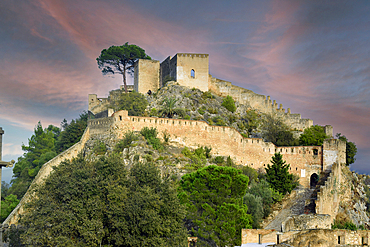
point(213, 196)
point(120, 59)
point(259, 199)
point(275, 130)
point(313, 136)
point(150, 135)
point(277, 174)
point(71, 133)
point(43, 145)
point(101, 203)
point(135, 103)
point(229, 103)
point(7, 205)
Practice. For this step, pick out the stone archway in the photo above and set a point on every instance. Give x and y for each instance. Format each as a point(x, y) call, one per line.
point(314, 179)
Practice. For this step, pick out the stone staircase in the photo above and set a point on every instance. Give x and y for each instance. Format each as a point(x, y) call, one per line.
point(301, 201)
point(295, 205)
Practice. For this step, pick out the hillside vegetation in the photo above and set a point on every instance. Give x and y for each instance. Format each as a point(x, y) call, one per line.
point(144, 191)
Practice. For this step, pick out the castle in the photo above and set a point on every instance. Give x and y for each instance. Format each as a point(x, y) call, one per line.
point(192, 70)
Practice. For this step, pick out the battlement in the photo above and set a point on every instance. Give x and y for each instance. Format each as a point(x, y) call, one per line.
point(224, 141)
point(192, 55)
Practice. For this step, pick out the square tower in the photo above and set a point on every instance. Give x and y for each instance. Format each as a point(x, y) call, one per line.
point(146, 76)
point(188, 69)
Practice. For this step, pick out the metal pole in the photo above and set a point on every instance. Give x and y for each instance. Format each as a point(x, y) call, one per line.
point(1, 149)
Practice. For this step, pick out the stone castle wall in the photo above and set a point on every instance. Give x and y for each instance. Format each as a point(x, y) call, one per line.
point(307, 221)
point(314, 237)
point(328, 198)
point(225, 141)
point(44, 172)
point(259, 102)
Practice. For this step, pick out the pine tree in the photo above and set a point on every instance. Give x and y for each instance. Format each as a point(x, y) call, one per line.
point(277, 174)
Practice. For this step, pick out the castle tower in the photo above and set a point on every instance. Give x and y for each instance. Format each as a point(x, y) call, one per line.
point(146, 76)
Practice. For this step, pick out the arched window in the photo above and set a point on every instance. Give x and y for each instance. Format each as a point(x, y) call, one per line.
point(192, 73)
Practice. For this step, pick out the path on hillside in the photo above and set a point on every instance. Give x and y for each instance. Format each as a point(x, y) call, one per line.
point(295, 206)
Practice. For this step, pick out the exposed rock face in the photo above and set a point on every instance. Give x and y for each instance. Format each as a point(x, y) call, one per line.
point(200, 105)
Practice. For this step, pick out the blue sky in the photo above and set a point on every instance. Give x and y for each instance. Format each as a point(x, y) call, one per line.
point(311, 56)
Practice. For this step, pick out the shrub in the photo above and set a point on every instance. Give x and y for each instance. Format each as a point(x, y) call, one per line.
point(135, 103)
point(219, 160)
point(344, 225)
point(187, 117)
point(207, 151)
point(255, 208)
point(150, 135)
point(212, 110)
point(153, 112)
point(100, 148)
point(229, 103)
point(166, 136)
point(128, 138)
point(218, 120)
point(201, 111)
point(208, 95)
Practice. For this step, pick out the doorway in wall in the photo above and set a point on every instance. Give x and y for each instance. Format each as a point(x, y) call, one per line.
point(314, 179)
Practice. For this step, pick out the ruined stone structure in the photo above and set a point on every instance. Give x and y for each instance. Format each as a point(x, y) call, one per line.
point(306, 237)
point(192, 70)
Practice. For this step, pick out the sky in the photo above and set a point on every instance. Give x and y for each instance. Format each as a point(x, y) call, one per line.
point(311, 56)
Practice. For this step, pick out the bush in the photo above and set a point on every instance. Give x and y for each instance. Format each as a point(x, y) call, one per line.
point(208, 95)
point(128, 138)
point(344, 225)
point(198, 157)
point(201, 111)
point(219, 160)
point(218, 121)
point(153, 112)
point(212, 110)
point(100, 148)
point(250, 172)
point(255, 208)
point(150, 135)
point(135, 103)
point(229, 103)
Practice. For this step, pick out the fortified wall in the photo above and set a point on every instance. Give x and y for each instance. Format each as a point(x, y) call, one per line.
point(259, 102)
point(226, 141)
point(308, 237)
point(44, 172)
point(304, 161)
point(192, 70)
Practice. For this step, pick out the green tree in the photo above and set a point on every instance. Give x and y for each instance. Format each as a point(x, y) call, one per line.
point(40, 149)
point(120, 59)
point(7, 206)
point(313, 136)
point(277, 174)
point(213, 196)
point(153, 210)
point(252, 121)
point(135, 103)
point(100, 203)
point(276, 131)
point(229, 103)
point(71, 133)
point(351, 149)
